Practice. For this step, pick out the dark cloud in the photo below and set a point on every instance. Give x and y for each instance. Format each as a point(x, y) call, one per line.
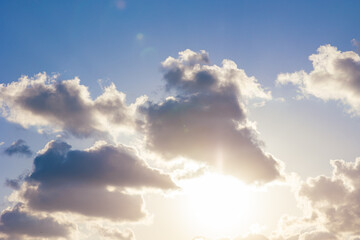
point(18, 147)
point(17, 223)
point(207, 120)
point(104, 165)
point(92, 182)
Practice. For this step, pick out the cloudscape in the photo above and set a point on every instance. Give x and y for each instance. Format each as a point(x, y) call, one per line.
point(179, 120)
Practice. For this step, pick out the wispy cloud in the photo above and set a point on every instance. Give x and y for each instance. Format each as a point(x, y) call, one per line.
point(18, 147)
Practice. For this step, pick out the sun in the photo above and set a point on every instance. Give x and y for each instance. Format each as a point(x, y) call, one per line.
point(217, 204)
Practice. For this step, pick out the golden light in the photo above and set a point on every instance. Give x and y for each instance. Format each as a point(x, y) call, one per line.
point(217, 204)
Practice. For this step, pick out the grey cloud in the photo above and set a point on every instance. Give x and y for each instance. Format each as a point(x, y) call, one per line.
point(336, 199)
point(335, 76)
point(88, 201)
point(64, 105)
point(207, 121)
point(18, 147)
point(16, 183)
point(13, 183)
point(17, 223)
point(203, 80)
point(348, 171)
point(78, 181)
point(323, 189)
point(103, 165)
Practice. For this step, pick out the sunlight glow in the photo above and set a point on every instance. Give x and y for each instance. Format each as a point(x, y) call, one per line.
point(218, 204)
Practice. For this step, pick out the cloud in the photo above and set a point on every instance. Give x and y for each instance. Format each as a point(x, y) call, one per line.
point(88, 201)
point(18, 147)
point(317, 235)
point(64, 106)
point(355, 43)
point(92, 182)
point(13, 183)
point(120, 4)
point(207, 121)
point(253, 237)
point(306, 234)
point(104, 165)
point(16, 223)
point(334, 201)
point(116, 234)
point(335, 76)
point(204, 238)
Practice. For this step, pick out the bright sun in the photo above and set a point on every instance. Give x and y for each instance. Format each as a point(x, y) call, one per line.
point(218, 203)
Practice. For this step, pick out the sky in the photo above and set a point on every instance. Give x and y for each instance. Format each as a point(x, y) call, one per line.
point(181, 120)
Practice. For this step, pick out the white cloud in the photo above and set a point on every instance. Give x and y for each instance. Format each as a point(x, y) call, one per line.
point(355, 43)
point(335, 76)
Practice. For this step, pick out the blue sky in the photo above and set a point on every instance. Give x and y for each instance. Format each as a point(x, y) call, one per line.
point(95, 39)
point(125, 42)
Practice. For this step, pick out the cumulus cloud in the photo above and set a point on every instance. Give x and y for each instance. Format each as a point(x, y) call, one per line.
point(92, 182)
point(335, 76)
point(334, 200)
point(64, 105)
point(206, 121)
point(104, 165)
point(18, 147)
point(17, 223)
